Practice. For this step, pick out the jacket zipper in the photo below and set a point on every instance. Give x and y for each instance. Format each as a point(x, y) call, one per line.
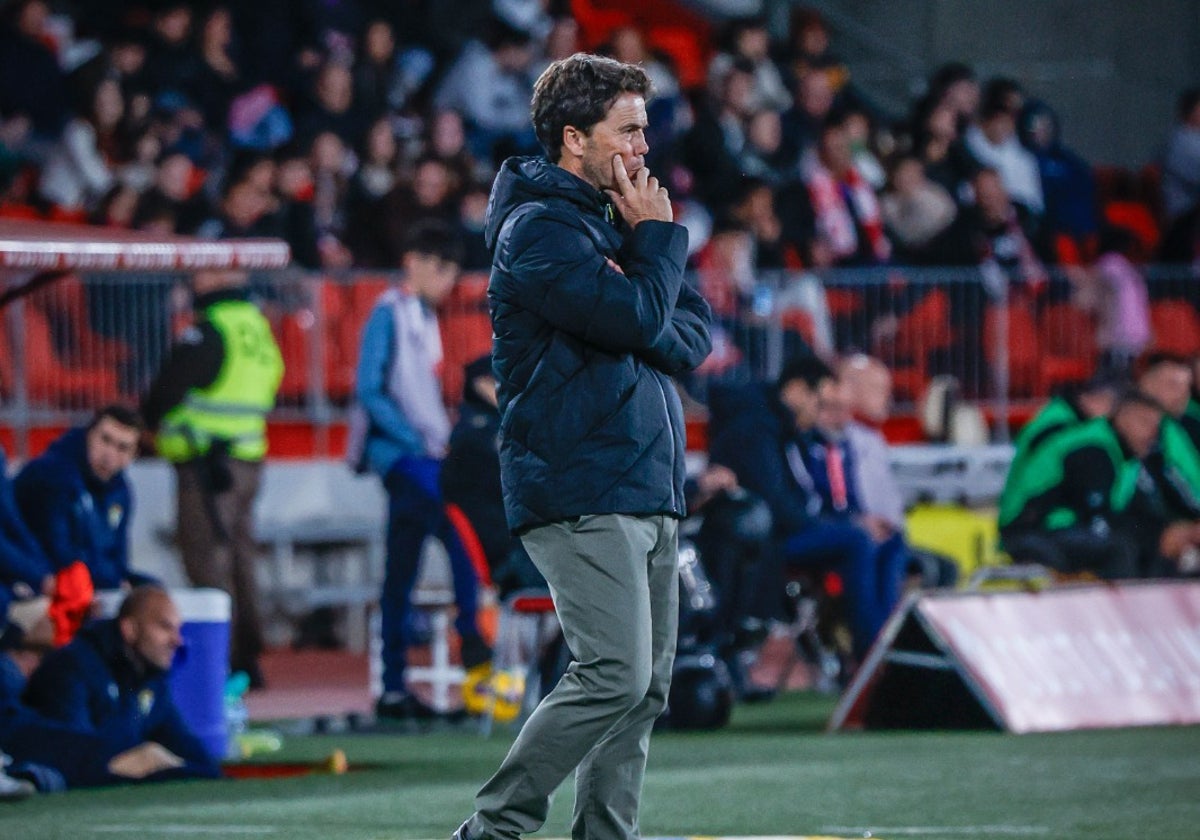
point(667, 413)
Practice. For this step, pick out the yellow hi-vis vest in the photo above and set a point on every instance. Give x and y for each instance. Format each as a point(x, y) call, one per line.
point(234, 407)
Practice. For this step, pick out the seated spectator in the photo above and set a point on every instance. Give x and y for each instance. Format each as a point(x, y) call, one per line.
point(217, 77)
point(1181, 160)
point(711, 148)
point(491, 85)
point(32, 85)
point(808, 49)
point(994, 143)
point(860, 129)
point(109, 687)
point(246, 210)
point(76, 499)
point(844, 205)
point(815, 97)
point(920, 217)
point(628, 45)
point(80, 168)
point(1000, 236)
point(1073, 406)
point(1114, 289)
point(954, 85)
point(747, 40)
point(1191, 415)
point(867, 390)
point(333, 108)
point(1072, 507)
point(1174, 463)
point(1068, 186)
point(937, 141)
point(772, 444)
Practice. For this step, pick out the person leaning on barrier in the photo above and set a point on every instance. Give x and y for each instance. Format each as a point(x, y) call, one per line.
point(209, 407)
point(1076, 506)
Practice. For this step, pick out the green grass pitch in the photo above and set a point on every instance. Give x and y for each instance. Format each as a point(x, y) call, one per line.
point(772, 772)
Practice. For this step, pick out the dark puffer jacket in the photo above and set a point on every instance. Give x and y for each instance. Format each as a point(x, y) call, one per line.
point(591, 319)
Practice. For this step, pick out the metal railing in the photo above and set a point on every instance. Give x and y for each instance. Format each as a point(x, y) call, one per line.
point(90, 339)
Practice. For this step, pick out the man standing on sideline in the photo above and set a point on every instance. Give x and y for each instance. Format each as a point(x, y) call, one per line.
point(209, 406)
point(591, 318)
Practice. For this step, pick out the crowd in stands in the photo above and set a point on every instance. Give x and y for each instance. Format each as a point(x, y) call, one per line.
point(337, 125)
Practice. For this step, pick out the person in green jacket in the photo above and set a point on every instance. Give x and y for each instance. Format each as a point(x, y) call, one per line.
point(1074, 508)
point(1074, 405)
point(1174, 465)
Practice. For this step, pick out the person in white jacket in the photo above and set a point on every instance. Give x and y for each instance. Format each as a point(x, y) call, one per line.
point(78, 172)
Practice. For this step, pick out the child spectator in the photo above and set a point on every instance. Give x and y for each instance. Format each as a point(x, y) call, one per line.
point(400, 431)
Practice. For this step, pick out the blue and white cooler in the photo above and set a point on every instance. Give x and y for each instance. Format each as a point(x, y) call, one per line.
point(201, 666)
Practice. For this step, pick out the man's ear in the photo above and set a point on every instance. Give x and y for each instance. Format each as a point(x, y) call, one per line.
point(128, 628)
point(573, 141)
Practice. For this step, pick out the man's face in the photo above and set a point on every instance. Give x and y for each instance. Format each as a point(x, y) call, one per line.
point(430, 276)
point(833, 408)
point(1138, 426)
point(802, 401)
point(110, 448)
point(621, 132)
point(1097, 403)
point(153, 632)
point(1170, 384)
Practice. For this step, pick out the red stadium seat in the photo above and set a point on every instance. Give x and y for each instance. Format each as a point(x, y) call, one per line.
point(1067, 339)
point(72, 383)
point(466, 329)
point(1024, 357)
point(1176, 327)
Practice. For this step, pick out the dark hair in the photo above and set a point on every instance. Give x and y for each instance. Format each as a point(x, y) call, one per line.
point(1135, 396)
point(807, 368)
point(1161, 358)
point(121, 414)
point(433, 238)
point(947, 76)
point(997, 97)
point(499, 33)
point(138, 597)
point(578, 91)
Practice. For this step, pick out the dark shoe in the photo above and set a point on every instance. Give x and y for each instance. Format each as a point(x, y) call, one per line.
point(400, 705)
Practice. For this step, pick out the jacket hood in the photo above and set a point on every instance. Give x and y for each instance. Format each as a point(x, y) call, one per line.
point(71, 451)
point(525, 179)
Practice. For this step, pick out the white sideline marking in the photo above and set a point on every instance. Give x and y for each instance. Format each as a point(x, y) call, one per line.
point(919, 830)
point(186, 829)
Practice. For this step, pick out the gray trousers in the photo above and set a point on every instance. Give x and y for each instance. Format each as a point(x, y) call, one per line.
point(614, 580)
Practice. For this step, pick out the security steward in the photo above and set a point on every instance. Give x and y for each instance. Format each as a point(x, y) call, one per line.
point(208, 406)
